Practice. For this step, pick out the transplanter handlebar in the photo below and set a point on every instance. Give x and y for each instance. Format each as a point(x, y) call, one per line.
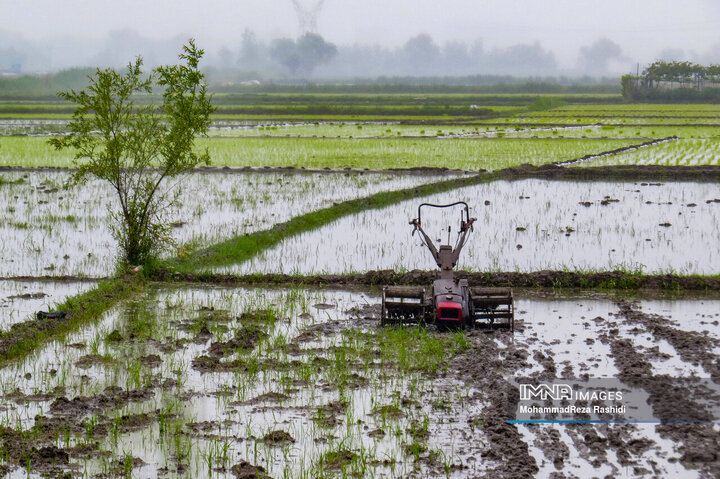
point(447, 260)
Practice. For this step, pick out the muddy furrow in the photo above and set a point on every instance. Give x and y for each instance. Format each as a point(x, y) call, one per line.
point(698, 441)
point(595, 444)
point(693, 347)
point(482, 368)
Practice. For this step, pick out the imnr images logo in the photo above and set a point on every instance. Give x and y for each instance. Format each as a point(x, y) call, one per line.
point(543, 392)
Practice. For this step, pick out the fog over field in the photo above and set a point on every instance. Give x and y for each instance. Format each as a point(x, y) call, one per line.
point(369, 38)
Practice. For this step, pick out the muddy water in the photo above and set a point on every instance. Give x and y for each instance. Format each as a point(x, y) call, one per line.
point(526, 225)
point(178, 379)
point(21, 299)
point(50, 229)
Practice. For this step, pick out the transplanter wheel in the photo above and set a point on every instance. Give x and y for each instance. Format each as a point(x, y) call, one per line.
point(492, 307)
point(403, 304)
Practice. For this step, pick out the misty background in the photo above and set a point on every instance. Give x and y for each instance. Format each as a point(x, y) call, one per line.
point(249, 40)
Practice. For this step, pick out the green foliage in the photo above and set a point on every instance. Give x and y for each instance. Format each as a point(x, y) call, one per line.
point(303, 56)
point(137, 147)
point(629, 87)
point(673, 82)
point(545, 103)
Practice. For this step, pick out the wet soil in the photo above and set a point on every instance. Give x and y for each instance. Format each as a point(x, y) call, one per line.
point(693, 347)
point(536, 279)
point(482, 368)
point(671, 399)
point(245, 470)
point(278, 438)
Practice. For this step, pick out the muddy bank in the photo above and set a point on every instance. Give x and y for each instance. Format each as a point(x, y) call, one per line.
point(228, 170)
point(538, 279)
point(551, 171)
point(700, 173)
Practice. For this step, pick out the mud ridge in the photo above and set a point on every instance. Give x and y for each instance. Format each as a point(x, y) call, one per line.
point(617, 151)
point(481, 367)
point(699, 442)
point(550, 171)
point(693, 347)
point(536, 279)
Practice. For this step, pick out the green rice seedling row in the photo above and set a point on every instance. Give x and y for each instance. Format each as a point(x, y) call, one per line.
point(683, 152)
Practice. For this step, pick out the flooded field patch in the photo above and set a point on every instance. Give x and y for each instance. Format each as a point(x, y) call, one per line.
point(525, 225)
point(198, 381)
point(22, 299)
point(50, 228)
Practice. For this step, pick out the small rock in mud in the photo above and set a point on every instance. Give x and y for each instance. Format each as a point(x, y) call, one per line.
point(90, 360)
point(151, 360)
point(245, 470)
point(278, 438)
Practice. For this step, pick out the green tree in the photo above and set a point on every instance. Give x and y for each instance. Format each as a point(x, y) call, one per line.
point(303, 56)
point(121, 136)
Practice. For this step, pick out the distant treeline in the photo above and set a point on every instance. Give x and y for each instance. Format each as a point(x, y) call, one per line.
point(480, 84)
point(45, 87)
point(674, 82)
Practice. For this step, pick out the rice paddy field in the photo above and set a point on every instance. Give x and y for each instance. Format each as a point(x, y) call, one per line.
point(230, 359)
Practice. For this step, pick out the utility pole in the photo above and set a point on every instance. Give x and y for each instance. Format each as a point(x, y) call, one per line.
point(307, 17)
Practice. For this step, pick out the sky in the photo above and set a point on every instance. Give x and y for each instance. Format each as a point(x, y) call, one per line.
point(643, 28)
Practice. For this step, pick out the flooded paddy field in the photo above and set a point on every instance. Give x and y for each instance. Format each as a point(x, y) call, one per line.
point(51, 227)
point(524, 225)
point(20, 299)
point(188, 381)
